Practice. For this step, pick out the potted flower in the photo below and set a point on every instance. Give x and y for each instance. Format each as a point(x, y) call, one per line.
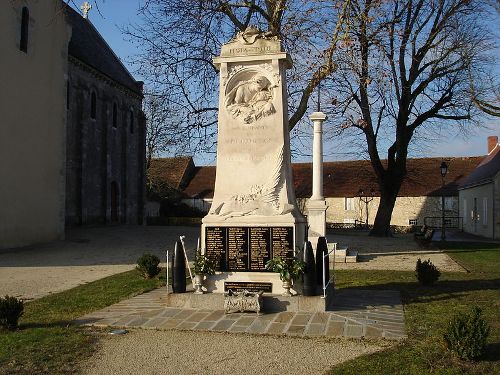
point(203, 265)
point(289, 269)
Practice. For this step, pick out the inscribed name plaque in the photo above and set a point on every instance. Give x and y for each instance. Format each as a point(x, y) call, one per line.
point(236, 286)
point(247, 248)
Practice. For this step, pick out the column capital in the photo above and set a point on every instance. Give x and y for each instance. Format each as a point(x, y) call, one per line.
point(318, 116)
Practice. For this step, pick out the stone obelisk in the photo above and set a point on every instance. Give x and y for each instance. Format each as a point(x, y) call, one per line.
point(254, 216)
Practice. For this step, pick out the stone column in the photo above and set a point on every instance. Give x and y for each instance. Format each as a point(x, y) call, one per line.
point(316, 206)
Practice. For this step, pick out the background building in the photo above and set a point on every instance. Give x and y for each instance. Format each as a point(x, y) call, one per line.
point(479, 195)
point(419, 199)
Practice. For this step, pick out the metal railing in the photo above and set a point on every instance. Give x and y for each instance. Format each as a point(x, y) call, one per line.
point(325, 257)
point(450, 222)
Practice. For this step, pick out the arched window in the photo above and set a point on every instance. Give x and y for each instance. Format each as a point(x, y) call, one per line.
point(93, 104)
point(115, 201)
point(131, 113)
point(115, 115)
point(25, 21)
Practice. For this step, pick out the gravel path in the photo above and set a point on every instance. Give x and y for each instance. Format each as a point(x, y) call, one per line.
point(183, 352)
point(399, 253)
point(87, 254)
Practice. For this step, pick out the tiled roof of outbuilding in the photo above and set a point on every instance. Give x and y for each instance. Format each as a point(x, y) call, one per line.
point(171, 171)
point(202, 184)
point(345, 178)
point(88, 46)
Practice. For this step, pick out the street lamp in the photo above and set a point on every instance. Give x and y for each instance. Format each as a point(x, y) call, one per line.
point(366, 198)
point(443, 168)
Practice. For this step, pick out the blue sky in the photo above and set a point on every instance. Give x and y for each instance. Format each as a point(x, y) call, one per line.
point(115, 13)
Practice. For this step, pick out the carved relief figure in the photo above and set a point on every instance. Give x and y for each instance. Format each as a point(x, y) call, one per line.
point(251, 100)
point(258, 199)
point(251, 34)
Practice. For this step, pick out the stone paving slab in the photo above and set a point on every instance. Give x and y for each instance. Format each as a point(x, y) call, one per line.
point(353, 313)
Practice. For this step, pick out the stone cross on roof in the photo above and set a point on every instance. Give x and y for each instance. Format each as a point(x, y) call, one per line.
point(86, 7)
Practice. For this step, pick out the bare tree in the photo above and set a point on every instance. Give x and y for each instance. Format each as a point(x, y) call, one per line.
point(178, 40)
point(408, 67)
point(391, 68)
point(161, 126)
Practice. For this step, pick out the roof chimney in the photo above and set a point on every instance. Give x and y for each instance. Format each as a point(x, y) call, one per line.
point(492, 143)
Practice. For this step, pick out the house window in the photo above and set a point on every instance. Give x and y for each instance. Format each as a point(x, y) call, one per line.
point(349, 204)
point(115, 115)
point(25, 21)
point(131, 113)
point(465, 211)
point(93, 105)
point(485, 211)
point(412, 221)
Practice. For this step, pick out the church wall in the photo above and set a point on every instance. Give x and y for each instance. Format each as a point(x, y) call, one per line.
point(104, 159)
point(32, 147)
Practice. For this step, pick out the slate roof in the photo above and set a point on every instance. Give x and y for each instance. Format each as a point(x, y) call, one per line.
point(88, 46)
point(345, 178)
point(485, 171)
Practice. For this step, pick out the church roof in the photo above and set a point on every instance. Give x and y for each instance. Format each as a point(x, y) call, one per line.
point(345, 178)
point(88, 46)
point(485, 171)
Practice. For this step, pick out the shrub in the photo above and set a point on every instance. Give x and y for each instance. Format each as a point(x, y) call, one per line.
point(11, 310)
point(427, 273)
point(147, 264)
point(466, 334)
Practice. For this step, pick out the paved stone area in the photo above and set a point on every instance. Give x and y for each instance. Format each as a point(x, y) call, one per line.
point(354, 313)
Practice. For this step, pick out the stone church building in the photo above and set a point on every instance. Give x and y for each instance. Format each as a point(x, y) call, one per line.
point(72, 133)
point(105, 139)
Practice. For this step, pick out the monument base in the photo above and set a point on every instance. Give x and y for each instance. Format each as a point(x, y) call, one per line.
point(316, 219)
point(271, 302)
point(243, 245)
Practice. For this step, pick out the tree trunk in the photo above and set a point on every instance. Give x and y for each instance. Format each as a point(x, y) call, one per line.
point(382, 224)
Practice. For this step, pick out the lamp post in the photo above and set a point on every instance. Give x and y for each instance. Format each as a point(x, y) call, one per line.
point(365, 198)
point(443, 168)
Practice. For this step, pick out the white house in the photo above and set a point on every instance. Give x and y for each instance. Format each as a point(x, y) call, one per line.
point(479, 195)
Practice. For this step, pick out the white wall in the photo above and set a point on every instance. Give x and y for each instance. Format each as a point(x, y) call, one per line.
point(32, 125)
point(474, 202)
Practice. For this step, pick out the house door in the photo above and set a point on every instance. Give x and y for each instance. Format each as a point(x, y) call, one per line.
point(115, 200)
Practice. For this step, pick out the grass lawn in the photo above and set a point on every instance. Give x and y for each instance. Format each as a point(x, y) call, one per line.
point(428, 310)
point(46, 342)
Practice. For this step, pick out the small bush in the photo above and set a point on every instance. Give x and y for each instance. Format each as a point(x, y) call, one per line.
point(466, 334)
point(11, 310)
point(147, 264)
point(427, 273)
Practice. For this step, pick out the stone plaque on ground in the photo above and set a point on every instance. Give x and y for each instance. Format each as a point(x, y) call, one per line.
point(254, 215)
